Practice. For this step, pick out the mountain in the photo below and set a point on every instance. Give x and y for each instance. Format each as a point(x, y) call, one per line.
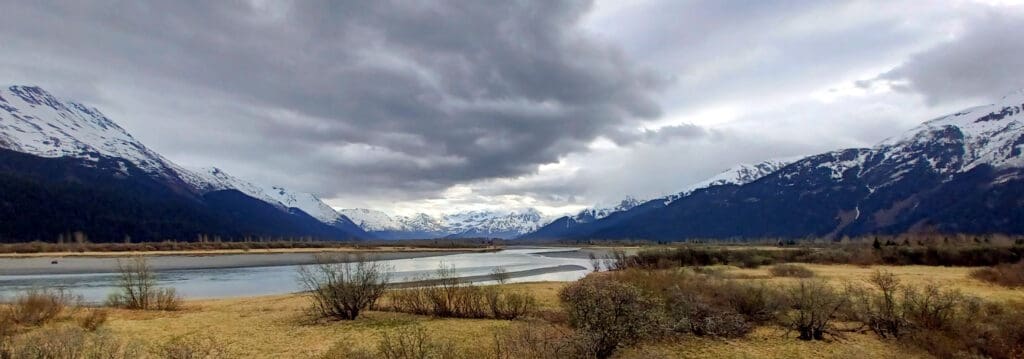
point(961, 173)
point(62, 159)
point(470, 224)
point(593, 219)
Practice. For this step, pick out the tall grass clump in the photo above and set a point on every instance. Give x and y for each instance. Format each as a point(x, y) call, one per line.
point(446, 295)
point(137, 288)
point(1007, 275)
point(40, 306)
point(791, 270)
point(342, 287)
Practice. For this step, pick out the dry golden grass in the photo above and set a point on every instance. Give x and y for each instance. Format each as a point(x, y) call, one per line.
point(955, 277)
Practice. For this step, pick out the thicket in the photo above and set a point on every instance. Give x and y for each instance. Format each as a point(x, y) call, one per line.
point(446, 295)
point(966, 255)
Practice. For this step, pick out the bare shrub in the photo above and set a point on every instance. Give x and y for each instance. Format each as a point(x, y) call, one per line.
point(691, 312)
point(93, 319)
point(791, 270)
point(1007, 275)
point(413, 343)
point(500, 274)
point(446, 296)
point(40, 306)
point(343, 290)
point(192, 347)
point(608, 314)
point(138, 290)
point(68, 342)
point(812, 307)
point(935, 308)
point(540, 341)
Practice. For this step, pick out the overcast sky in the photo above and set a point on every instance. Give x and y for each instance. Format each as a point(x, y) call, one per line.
point(409, 106)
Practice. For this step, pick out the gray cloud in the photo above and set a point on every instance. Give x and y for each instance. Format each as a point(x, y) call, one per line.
point(982, 63)
point(381, 93)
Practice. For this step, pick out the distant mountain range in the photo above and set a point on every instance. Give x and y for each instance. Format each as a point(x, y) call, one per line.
point(960, 173)
point(65, 167)
point(470, 224)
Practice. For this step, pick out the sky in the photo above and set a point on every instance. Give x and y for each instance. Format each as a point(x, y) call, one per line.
point(441, 106)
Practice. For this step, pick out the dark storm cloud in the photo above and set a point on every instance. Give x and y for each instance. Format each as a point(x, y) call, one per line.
point(983, 63)
point(385, 93)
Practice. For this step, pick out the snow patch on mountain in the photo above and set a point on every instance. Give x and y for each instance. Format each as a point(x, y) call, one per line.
point(596, 213)
point(505, 224)
point(208, 179)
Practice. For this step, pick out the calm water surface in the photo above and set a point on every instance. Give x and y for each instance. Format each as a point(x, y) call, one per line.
point(252, 281)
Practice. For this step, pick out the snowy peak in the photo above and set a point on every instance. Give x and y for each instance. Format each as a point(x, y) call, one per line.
point(35, 122)
point(739, 175)
point(596, 213)
point(208, 179)
point(461, 224)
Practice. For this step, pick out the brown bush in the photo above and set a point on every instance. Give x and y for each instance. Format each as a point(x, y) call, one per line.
point(813, 306)
point(192, 347)
point(447, 297)
point(791, 270)
point(137, 288)
point(540, 341)
point(1007, 275)
point(93, 319)
point(414, 343)
point(68, 342)
point(607, 314)
point(38, 307)
point(343, 290)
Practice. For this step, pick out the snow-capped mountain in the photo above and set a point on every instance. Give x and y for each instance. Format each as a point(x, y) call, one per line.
point(208, 179)
point(496, 224)
point(961, 173)
point(738, 175)
point(34, 122)
point(596, 213)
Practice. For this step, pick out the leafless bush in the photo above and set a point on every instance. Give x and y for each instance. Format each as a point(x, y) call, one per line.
point(138, 290)
point(500, 275)
point(791, 270)
point(540, 341)
point(192, 347)
point(343, 290)
point(595, 262)
point(812, 307)
point(68, 342)
point(690, 312)
point(608, 313)
point(93, 319)
point(40, 306)
point(414, 343)
point(448, 297)
point(1007, 275)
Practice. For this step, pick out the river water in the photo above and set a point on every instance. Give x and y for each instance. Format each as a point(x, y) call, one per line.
point(531, 265)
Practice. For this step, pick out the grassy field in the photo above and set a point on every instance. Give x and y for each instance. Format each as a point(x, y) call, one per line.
point(280, 326)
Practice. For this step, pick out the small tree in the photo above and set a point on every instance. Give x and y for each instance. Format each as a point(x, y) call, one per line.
point(813, 305)
point(341, 288)
point(137, 285)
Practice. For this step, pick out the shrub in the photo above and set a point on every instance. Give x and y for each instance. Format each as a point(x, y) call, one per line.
point(812, 307)
point(343, 290)
point(691, 313)
point(192, 347)
point(540, 341)
point(791, 270)
point(37, 307)
point(413, 343)
point(608, 313)
point(448, 297)
point(137, 285)
point(1007, 275)
point(93, 319)
point(68, 342)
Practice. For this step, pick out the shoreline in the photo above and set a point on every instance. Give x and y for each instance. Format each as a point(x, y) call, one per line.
point(85, 264)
